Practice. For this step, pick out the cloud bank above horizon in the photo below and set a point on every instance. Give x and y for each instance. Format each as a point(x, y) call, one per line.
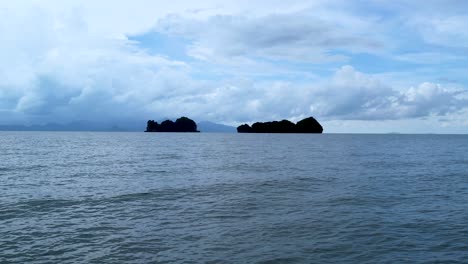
point(357, 66)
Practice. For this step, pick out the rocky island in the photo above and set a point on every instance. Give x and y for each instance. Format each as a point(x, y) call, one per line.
point(183, 124)
point(307, 125)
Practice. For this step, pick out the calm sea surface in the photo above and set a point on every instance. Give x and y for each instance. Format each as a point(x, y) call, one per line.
point(232, 198)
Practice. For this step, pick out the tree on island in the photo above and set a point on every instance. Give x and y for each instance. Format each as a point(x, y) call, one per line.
point(307, 125)
point(182, 124)
point(244, 129)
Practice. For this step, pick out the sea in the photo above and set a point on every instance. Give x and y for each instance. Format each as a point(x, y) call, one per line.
point(98, 197)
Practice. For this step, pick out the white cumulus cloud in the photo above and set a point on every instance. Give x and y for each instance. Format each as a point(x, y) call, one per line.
point(67, 60)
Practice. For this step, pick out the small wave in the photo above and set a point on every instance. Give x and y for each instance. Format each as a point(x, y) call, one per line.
point(48, 203)
point(34, 167)
point(26, 208)
point(155, 171)
point(130, 197)
point(6, 169)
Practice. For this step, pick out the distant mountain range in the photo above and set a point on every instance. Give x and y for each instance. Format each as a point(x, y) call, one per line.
point(206, 126)
point(123, 126)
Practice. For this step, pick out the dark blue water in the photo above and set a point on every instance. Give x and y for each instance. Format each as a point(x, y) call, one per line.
point(232, 198)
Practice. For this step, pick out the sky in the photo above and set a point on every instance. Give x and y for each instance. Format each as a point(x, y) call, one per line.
point(358, 66)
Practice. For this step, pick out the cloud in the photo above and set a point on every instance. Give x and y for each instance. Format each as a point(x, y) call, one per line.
point(435, 23)
point(443, 30)
point(347, 95)
point(356, 96)
point(299, 36)
point(431, 99)
point(429, 57)
point(57, 70)
point(63, 62)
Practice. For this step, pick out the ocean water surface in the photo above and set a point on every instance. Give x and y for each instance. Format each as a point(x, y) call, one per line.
point(69, 197)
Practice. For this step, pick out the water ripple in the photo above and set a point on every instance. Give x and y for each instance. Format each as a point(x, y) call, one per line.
point(222, 198)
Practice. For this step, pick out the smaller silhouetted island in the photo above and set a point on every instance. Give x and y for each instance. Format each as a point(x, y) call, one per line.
point(307, 125)
point(182, 124)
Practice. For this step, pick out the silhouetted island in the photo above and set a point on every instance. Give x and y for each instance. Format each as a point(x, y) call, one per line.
point(307, 125)
point(182, 124)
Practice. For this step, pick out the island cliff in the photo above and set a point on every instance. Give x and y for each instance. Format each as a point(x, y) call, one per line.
point(307, 125)
point(182, 124)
